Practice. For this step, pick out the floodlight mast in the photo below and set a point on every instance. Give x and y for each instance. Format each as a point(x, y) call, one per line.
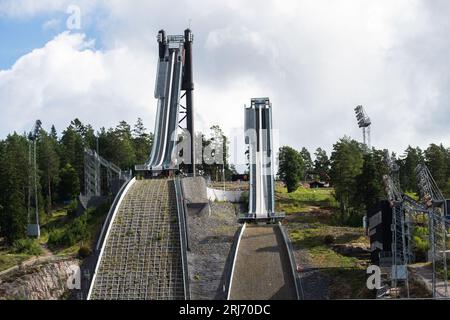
point(33, 228)
point(364, 123)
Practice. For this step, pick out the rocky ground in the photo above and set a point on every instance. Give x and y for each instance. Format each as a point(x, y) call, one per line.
point(39, 281)
point(210, 240)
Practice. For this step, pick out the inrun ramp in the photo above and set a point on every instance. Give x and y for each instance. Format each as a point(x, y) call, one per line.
point(258, 136)
point(141, 258)
point(262, 267)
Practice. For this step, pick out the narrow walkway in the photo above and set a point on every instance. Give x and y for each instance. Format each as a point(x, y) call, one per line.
point(262, 269)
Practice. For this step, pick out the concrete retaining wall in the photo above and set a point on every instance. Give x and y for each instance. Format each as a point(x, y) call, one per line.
point(220, 195)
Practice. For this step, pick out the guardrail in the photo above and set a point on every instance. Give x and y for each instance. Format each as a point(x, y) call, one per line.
point(235, 250)
point(184, 239)
point(290, 250)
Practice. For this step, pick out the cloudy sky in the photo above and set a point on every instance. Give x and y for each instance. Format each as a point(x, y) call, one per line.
point(315, 59)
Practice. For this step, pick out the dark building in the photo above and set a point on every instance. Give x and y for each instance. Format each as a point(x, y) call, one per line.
point(379, 220)
point(239, 177)
point(318, 184)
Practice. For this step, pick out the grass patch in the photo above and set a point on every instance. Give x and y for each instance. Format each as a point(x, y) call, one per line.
point(313, 237)
point(9, 260)
point(303, 199)
point(348, 284)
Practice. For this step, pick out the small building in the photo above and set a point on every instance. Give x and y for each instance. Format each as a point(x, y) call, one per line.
point(318, 184)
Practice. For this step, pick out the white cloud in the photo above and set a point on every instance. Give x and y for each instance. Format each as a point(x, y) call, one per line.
point(68, 78)
point(316, 60)
point(52, 24)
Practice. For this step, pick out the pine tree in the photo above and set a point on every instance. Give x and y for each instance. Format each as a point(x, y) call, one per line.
point(322, 164)
point(307, 161)
point(142, 142)
point(14, 182)
point(370, 188)
point(411, 158)
point(49, 166)
point(69, 185)
point(435, 159)
point(346, 164)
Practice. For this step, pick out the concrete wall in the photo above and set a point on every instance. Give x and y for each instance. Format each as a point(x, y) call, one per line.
point(220, 195)
point(195, 195)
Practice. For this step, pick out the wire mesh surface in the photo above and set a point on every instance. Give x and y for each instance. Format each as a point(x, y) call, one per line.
point(142, 255)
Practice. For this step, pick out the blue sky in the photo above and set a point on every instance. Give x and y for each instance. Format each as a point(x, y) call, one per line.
point(21, 35)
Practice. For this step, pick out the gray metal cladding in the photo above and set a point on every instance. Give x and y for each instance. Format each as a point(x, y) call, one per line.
point(258, 135)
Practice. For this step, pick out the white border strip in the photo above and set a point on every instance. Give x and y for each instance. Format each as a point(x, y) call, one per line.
point(234, 260)
point(132, 181)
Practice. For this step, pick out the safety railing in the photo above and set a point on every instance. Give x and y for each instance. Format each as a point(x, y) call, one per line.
point(184, 238)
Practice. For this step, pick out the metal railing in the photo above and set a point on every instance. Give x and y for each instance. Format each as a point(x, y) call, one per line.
point(184, 238)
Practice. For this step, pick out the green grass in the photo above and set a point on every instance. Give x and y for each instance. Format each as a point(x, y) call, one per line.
point(58, 221)
point(312, 215)
point(321, 254)
point(303, 199)
point(8, 259)
point(348, 284)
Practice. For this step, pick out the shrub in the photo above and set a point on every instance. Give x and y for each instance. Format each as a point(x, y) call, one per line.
point(72, 209)
point(420, 243)
point(27, 246)
point(244, 198)
point(76, 231)
point(329, 239)
point(84, 252)
point(60, 238)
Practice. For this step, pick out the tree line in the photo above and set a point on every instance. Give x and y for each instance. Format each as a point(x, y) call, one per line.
point(356, 174)
point(60, 166)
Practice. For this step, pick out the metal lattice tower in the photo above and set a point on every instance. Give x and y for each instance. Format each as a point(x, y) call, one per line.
point(400, 257)
point(435, 205)
point(364, 123)
point(403, 209)
point(33, 223)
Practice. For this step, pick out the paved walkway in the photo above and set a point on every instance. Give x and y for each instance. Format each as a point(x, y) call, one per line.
point(423, 272)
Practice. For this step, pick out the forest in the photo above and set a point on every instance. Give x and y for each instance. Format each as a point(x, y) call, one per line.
point(60, 167)
point(354, 173)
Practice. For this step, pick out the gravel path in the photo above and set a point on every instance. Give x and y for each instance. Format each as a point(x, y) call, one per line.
point(210, 240)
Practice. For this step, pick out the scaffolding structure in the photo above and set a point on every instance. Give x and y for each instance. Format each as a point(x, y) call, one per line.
point(404, 208)
point(400, 257)
point(93, 164)
point(435, 204)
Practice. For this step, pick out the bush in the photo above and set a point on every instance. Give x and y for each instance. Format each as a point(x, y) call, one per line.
point(244, 198)
point(61, 238)
point(329, 239)
point(72, 209)
point(84, 252)
point(27, 246)
point(76, 231)
point(420, 243)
